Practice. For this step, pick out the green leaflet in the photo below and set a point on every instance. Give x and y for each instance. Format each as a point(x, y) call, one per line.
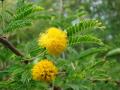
point(21, 19)
point(83, 25)
point(92, 51)
point(36, 17)
point(23, 8)
point(84, 39)
point(26, 10)
point(23, 12)
point(9, 12)
point(17, 24)
point(114, 52)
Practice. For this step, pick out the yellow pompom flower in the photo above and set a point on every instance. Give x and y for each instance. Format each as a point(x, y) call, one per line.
point(44, 70)
point(54, 40)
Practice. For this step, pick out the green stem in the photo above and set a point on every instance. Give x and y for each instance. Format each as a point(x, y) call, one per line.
point(3, 15)
point(61, 7)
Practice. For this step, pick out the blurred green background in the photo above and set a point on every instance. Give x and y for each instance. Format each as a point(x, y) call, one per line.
point(62, 14)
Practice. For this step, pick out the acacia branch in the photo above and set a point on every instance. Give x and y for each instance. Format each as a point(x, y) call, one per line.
point(9, 45)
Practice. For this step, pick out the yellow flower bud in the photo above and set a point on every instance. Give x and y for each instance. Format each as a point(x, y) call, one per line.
point(54, 40)
point(44, 70)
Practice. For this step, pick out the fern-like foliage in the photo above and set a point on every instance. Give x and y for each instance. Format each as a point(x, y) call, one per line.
point(17, 24)
point(26, 10)
point(21, 19)
point(84, 39)
point(92, 51)
point(84, 25)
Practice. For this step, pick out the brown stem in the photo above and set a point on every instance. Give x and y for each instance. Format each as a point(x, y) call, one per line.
point(9, 45)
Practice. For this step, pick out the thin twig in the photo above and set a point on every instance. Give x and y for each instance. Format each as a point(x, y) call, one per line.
point(73, 66)
point(61, 7)
point(3, 14)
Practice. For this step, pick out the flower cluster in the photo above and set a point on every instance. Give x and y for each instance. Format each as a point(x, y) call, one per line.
point(44, 70)
point(54, 40)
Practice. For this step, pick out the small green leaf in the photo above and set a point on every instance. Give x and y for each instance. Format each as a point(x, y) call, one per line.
point(92, 51)
point(114, 52)
point(84, 25)
point(17, 24)
point(84, 39)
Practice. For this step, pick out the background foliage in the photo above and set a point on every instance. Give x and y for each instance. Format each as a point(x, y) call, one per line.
point(91, 60)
